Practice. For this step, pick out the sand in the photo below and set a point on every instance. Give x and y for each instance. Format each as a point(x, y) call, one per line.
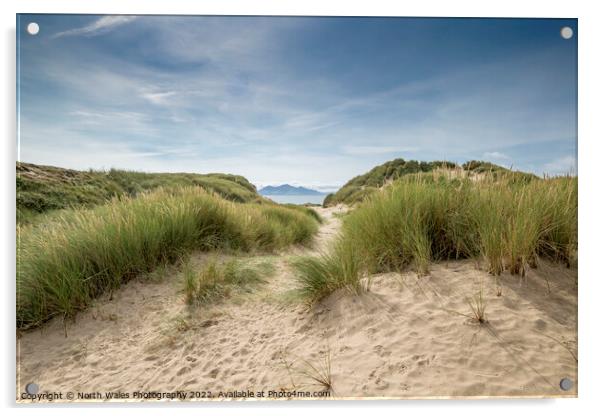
point(407, 337)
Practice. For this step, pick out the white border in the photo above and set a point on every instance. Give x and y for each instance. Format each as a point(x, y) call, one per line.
point(590, 291)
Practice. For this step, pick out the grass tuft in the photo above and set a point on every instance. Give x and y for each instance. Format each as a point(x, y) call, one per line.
point(318, 373)
point(317, 277)
point(217, 280)
point(478, 305)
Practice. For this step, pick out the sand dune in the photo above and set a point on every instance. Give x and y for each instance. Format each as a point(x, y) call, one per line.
point(406, 337)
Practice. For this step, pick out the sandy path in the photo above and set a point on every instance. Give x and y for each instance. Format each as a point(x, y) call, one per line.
point(406, 337)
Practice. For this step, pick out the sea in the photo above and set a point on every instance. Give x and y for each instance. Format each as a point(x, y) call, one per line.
point(297, 199)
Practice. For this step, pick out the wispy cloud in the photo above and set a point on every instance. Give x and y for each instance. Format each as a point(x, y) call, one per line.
point(158, 98)
point(495, 156)
point(110, 121)
point(101, 25)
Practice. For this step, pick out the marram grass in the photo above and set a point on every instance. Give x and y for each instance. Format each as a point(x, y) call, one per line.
point(43, 191)
point(65, 263)
point(509, 221)
point(216, 280)
point(319, 276)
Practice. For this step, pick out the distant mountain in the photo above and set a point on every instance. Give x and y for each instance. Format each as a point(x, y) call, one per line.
point(287, 189)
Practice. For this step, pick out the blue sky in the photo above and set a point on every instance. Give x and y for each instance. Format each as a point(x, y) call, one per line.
point(305, 101)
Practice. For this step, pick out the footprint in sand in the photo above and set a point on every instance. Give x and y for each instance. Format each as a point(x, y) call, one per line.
point(189, 382)
point(381, 384)
point(398, 368)
point(267, 335)
point(540, 324)
point(371, 330)
point(381, 352)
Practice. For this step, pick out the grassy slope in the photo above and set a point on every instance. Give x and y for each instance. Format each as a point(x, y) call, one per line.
point(362, 186)
point(509, 220)
point(82, 233)
point(41, 189)
point(69, 259)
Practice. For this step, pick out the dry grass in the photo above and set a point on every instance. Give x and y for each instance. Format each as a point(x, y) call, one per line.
point(478, 305)
point(312, 374)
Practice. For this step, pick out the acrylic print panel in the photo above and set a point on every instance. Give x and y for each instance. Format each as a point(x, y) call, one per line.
point(319, 208)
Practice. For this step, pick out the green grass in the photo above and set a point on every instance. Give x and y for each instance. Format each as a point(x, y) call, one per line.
point(510, 221)
point(216, 281)
point(317, 277)
point(64, 263)
point(42, 190)
point(364, 186)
